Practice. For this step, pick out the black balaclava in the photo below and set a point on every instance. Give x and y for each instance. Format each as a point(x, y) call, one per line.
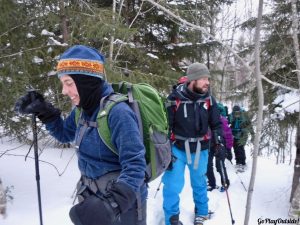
point(89, 89)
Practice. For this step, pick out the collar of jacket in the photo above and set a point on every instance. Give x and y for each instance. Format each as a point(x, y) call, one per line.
point(193, 95)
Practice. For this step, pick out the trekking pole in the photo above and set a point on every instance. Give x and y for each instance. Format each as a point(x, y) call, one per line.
point(158, 188)
point(222, 166)
point(36, 157)
point(241, 181)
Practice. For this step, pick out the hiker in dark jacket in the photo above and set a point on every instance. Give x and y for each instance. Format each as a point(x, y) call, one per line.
point(228, 143)
point(192, 113)
point(112, 189)
point(241, 128)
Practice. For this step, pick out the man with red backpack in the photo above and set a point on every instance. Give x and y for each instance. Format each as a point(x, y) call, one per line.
point(192, 114)
point(228, 144)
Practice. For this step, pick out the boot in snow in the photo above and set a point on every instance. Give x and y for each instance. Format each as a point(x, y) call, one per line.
point(174, 220)
point(199, 220)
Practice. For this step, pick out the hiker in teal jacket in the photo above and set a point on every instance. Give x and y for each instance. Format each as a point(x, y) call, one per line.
point(241, 127)
point(112, 189)
point(192, 112)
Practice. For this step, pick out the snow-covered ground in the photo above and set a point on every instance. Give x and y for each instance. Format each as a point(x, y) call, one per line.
point(59, 174)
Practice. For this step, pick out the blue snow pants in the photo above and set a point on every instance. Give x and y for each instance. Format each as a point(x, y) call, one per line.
point(173, 181)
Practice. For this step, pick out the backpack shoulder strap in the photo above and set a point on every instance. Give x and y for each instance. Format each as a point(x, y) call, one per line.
point(106, 105)
point(77, 115)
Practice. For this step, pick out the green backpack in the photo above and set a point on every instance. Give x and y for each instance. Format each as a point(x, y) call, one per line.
point(148, 106)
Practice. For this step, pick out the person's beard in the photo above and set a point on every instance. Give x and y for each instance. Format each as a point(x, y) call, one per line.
point(199, 90)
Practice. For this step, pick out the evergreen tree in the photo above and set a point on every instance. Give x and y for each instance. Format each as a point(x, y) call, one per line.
point(28, 45)
point(148, 45)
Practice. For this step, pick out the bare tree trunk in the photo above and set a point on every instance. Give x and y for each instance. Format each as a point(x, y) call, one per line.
point(224, 89)
point(132, 22)
point(112, 39)
point(295, 29)
point(295, 204)
point(296, 177)
point(64, 25)
point(291, 145)
point(260, 111)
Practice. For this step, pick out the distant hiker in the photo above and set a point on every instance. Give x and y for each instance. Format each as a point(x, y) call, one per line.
point(192, 112)
point(112, 188)
point(228, 143)
point(241, 127)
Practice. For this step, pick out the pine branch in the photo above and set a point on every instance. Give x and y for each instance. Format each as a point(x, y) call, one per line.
point(22, 51)
point(13, 28)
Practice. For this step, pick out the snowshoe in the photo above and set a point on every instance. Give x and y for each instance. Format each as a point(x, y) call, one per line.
point(240, 168)
point(210, 188)
point(210, 214)
point(222, 189)
point(199, 220)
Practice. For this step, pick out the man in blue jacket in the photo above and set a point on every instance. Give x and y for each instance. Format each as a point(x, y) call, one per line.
point(112, 189)
point(192, 112)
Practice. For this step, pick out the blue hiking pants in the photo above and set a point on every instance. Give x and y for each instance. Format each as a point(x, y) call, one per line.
point(173, 181)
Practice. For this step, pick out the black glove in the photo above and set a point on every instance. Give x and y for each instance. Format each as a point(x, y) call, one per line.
point(94, 211)
point(220, 151)
point(229, 154)
point(34, 103)
point(104, 210)
point(124, 196)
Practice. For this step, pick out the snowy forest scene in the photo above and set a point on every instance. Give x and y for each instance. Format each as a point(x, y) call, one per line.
point(250, 49)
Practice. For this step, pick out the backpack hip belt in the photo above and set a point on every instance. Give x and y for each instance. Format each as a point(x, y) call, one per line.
point(188, 151)
point(100, 186)
point(96, 186)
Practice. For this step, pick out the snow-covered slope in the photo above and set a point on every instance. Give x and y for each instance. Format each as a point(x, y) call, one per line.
point(59, 174)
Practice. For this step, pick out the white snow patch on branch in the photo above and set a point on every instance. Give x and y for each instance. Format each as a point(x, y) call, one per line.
point(29, 35)
point(47, 33)
point(37, 60)
point(152, 56)
point(52, 41)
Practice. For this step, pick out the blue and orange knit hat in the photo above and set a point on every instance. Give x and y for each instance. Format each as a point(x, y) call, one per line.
point(80, 59)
